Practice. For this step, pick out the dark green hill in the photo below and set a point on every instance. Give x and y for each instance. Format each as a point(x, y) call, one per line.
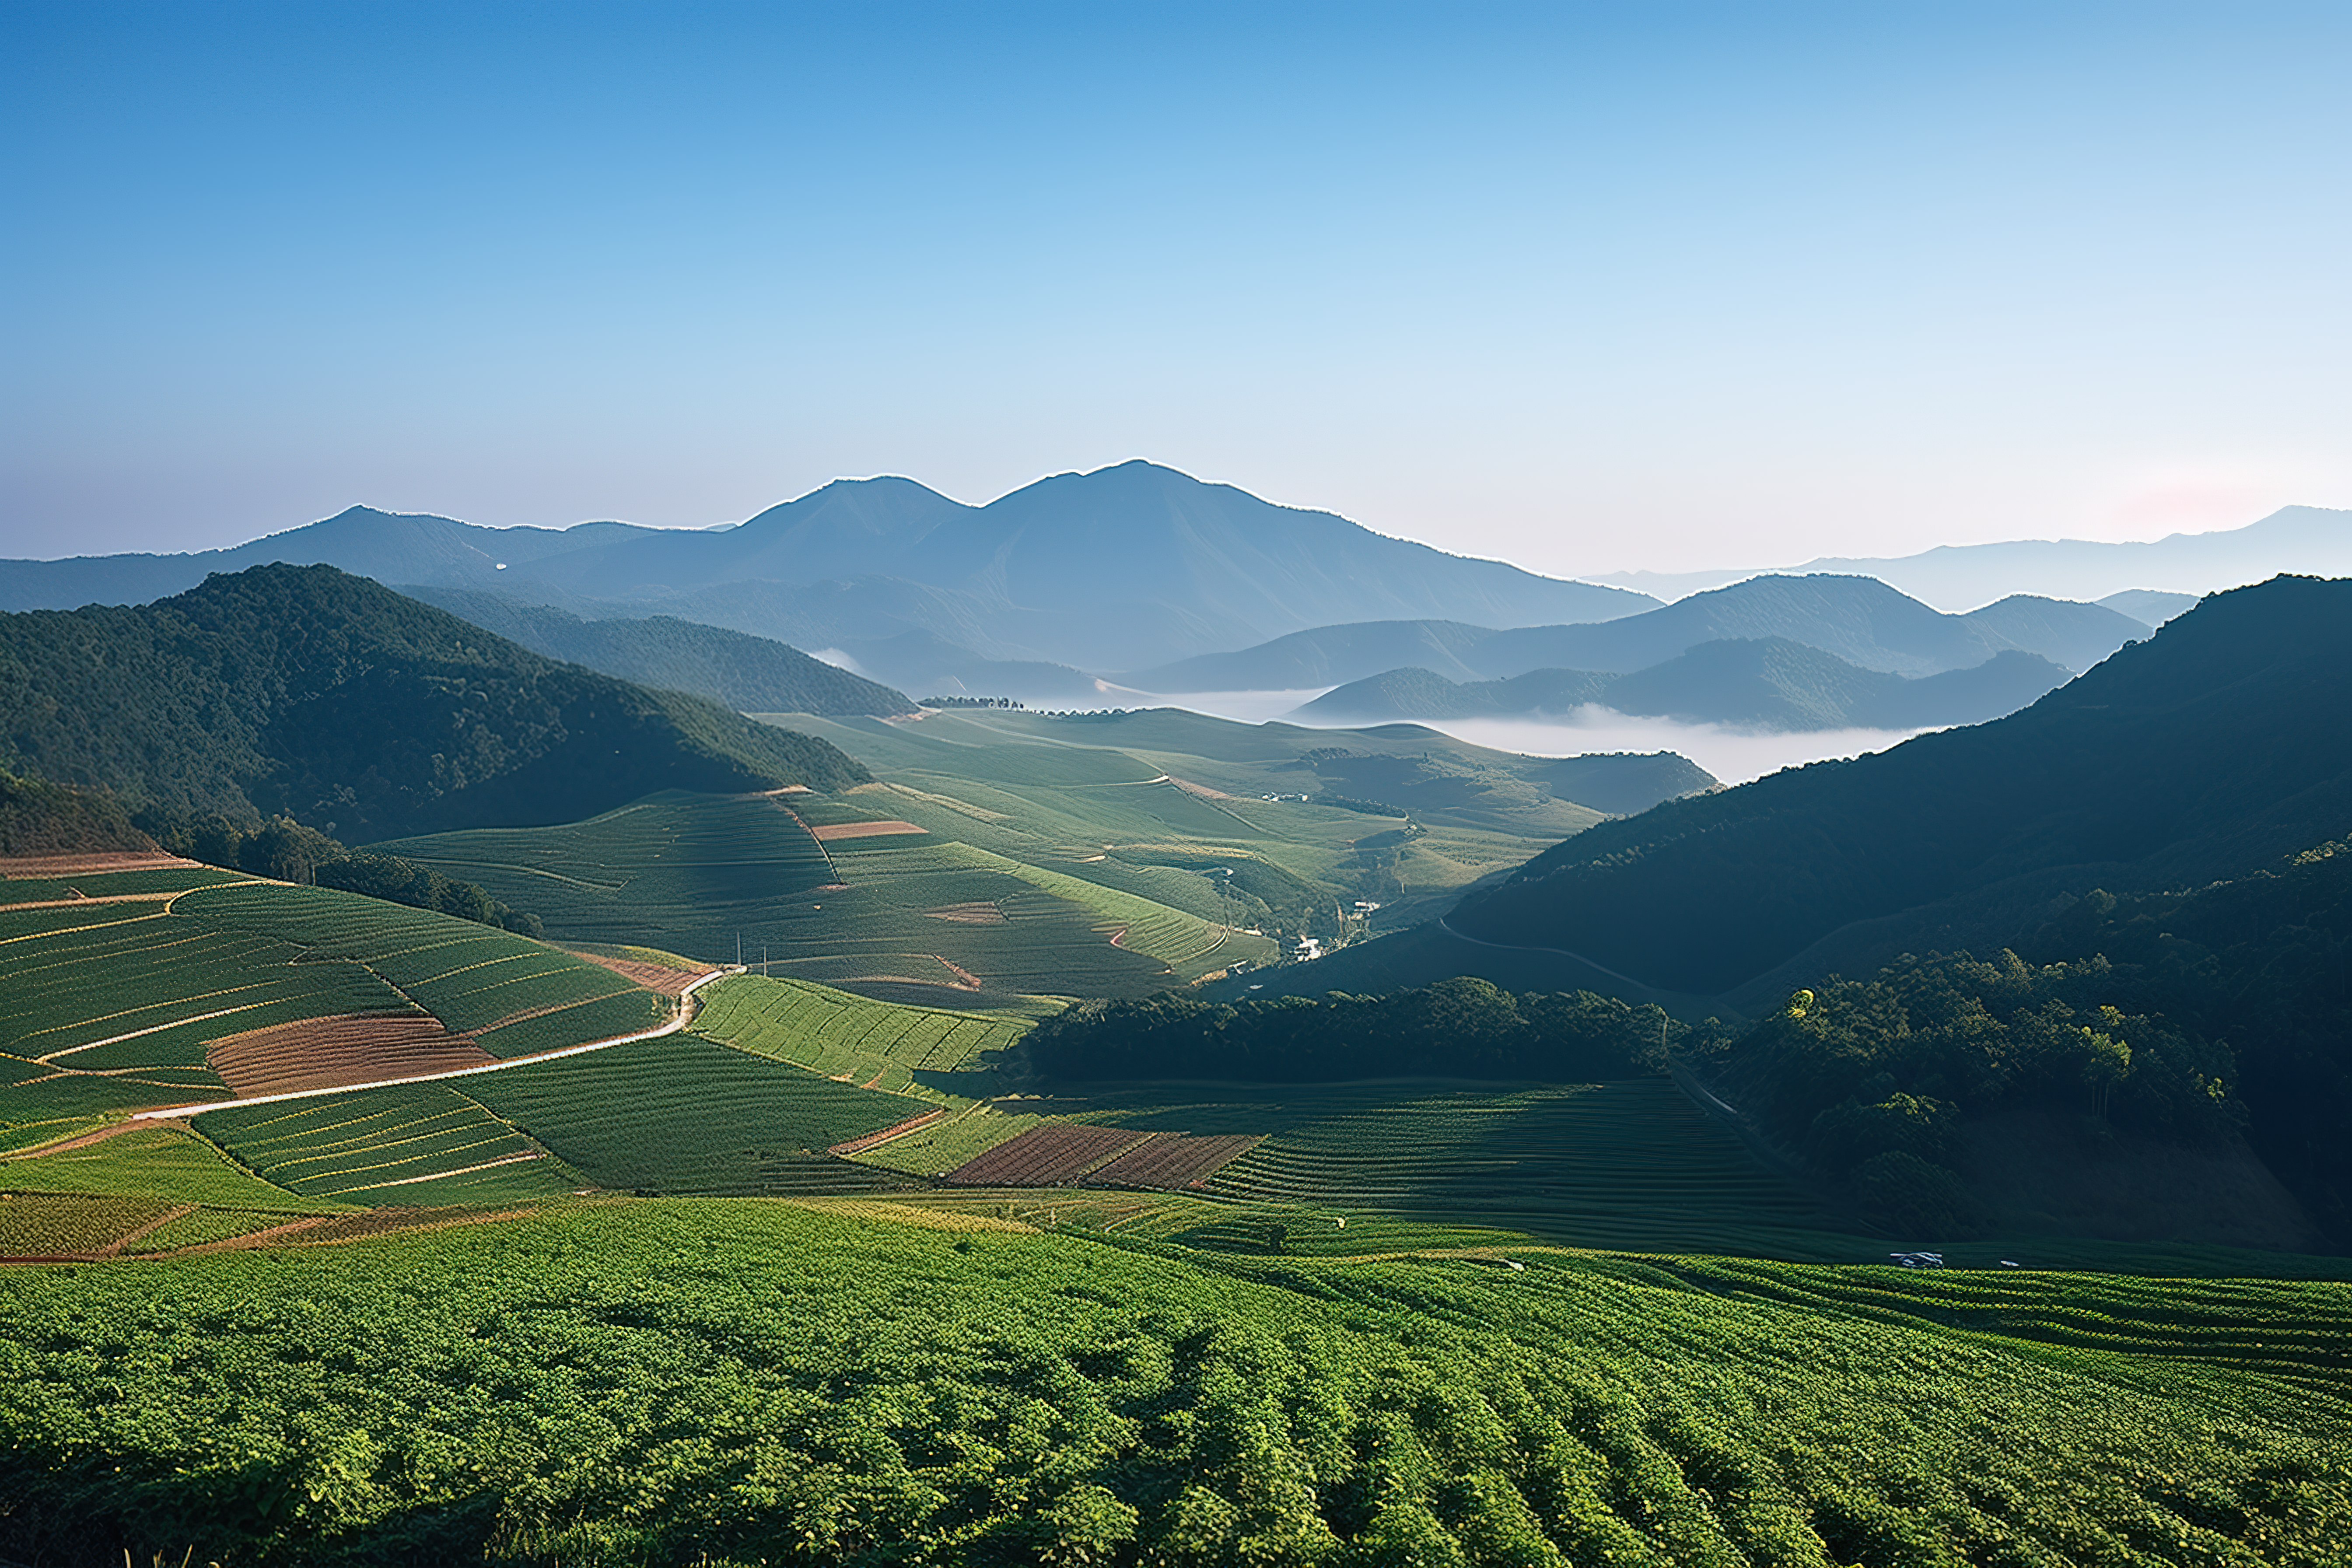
point(749, 673)
point(332, 700)
point(2205, 752)
point(1768, 683)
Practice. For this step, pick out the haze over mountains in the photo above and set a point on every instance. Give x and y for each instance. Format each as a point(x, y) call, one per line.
point(2308, 539)
point(1768, 683)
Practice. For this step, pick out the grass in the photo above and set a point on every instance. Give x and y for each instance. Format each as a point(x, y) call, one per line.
point(731, 1383)
point(160, 1162)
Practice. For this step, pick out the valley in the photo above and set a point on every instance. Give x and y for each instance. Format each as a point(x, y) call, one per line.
point(1220, 1031)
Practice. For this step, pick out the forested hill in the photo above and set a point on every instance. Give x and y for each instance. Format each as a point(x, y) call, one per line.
point(2206, 751)
point(329, 697)
point(749, 673)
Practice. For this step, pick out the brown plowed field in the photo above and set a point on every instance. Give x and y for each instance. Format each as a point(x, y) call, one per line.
point(1173, 1161)
point(323, 1053)
point(1045, 1157)
point(652, 976)
point(90, 864)
point(861, 830)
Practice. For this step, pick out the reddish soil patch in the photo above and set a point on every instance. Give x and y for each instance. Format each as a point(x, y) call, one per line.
point(90, 864)
point(652, 976)
point(326, 1053)
point(1046, 1157)
point(861, 830)
point(1173, 1161)
point(898, 1129)
point(964, 978)
point(980, 914)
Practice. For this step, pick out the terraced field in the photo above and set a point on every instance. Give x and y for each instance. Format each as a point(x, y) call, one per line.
point(684, 871)
point(167, 986)
point(842, 1035)
point(684, 1115)
point(485, 983)
point(912, 918)
point(376, 1146)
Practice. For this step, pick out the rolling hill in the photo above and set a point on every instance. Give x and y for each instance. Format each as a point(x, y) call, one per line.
point(2203, 753)
point(1859, 619)
point(749, 673)
point(307, 691)
point(1769, 683)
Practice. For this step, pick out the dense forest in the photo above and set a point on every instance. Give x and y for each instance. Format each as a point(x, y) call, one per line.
point(749, 673)
point(1871, 1082)
point(2264, 962)
point(1457, 1029)
point(302, 691)
point(2205, 752)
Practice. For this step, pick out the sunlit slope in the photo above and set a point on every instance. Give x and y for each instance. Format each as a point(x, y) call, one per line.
point(881, 906)
point(169, 986)
point(1268, 825)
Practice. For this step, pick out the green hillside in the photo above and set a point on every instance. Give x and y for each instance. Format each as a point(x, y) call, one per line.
point(121, 989)
point(338, 703)
point(749, 673)
point(2204, 752)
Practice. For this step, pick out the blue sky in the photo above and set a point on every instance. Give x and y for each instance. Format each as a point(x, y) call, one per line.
point(1587, 288)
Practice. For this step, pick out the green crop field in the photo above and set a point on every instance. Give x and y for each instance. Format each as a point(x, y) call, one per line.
point(844, 1036)
point(736, 1383)
point(674, 869)
point(383, 1146)
point(681, 1114)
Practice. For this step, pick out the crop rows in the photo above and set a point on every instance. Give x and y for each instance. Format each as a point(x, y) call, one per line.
point(840, 1034)
point(365, 1147)
point(1573, 1410)
point(681, 1114)
point(1629, 1164)
point(149, 985)
point(1058, 1154)
point(471, 978)
point(1173, 1160)
point(671, 862)
point(49, 1225)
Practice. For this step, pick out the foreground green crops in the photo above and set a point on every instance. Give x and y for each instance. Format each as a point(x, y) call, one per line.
point(755, 1383)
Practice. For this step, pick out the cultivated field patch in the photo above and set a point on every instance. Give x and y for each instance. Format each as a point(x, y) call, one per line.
point(340, 1050)
point(1050, 1156)
point(1173, 1160)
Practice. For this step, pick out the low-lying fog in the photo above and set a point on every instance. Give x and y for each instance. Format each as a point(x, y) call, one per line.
point(1735, 756)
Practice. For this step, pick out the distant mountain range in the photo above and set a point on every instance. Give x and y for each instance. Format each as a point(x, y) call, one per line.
point(1859, 620)
point(307, 691)
point(1768, 683)
point(2305, 539)
point(749, 673)
point(2206, 751)
point(1121, 568)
